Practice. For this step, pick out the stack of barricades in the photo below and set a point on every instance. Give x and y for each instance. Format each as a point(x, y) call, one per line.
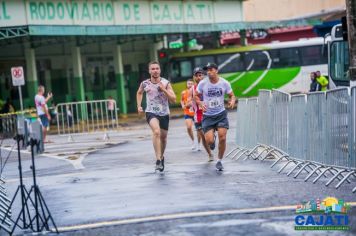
point(313, 134)
point(5, 211)
point(79, 118)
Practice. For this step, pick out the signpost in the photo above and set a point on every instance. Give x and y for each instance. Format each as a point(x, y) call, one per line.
point(18, 79)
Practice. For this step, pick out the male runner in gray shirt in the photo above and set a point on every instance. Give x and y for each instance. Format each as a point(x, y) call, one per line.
point(213, 90)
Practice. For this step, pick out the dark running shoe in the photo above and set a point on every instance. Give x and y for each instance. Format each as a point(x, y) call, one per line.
point(162, 162)
point(212, 146)
point(158, 165)
point(219, 166)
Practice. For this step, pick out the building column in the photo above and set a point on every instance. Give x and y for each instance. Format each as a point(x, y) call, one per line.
point(5, 92)
point(78, 74)
point(154, 49)
point(119, 74)
point(48, 80)
point(31, 80)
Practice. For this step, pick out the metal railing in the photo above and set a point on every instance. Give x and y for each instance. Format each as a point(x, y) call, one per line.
point(8, 122)
point(314, 134)
point(86, 117)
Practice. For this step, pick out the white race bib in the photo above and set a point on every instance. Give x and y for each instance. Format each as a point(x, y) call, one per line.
point(157, 108)
point(214, 103)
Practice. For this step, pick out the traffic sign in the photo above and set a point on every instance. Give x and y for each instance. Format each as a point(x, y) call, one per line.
point(18, 77)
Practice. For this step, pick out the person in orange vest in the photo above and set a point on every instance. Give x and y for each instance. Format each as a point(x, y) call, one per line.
point(188, 111)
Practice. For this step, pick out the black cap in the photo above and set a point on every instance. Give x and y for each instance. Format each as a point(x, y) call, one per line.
point(198, 70)
point(210, 65)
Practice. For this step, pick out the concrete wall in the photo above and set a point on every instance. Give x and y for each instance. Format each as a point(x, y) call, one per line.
point(269, 10)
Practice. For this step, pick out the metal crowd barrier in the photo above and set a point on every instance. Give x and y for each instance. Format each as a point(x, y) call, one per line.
point(264, 110)
point(241, 122)
point(5, 210)
point(315, 132)
point(352, 130)
point(76, 118)
point(280, 102)
point(298, 135)
point(252, 122)
point(7, 125)
point(316, 128)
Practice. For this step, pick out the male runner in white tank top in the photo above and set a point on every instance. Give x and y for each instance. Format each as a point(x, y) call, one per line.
point(159, 94)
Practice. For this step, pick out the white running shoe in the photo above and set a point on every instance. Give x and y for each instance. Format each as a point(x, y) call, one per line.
point(194, 146)
point(199, 147)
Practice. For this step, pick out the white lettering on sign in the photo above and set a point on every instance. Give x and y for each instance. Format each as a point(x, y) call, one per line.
point(18, 77)
point(113, 12)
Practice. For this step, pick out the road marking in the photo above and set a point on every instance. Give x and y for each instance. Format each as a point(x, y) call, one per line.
point(180, 216)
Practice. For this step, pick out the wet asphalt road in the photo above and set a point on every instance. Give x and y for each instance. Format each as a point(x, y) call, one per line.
point(118, 182)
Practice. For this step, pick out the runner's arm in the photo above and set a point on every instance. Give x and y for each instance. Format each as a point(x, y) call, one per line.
point(139, 96)
point(169, 92)
point(199, 102)
point(232, 100)
point(190, 97)
point(181, 100)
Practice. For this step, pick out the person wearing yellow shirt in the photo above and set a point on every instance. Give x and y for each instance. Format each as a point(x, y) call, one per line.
point(323, 82)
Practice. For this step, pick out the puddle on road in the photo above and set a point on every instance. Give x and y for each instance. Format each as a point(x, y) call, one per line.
point(72, 158)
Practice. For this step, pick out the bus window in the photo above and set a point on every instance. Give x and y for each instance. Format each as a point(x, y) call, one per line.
point(256, 60)
point(180, 70)
point(203, 60)
point(339, 62)
point(285, 57)
point(312, 55)
point(186, 69)
point(229, 63)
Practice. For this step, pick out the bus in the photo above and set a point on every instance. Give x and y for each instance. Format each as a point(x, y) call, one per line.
point(280, 65)
point(338, 57)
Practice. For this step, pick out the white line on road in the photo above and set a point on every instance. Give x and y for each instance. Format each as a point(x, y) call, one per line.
point(180, 216)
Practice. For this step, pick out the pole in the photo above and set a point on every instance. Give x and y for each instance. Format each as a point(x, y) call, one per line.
point(18, 138)
point(20, 93)
point(351, 28)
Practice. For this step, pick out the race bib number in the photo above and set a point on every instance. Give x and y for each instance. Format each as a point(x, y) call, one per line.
point(191, 109)
point(214, 103)
point(157, 108)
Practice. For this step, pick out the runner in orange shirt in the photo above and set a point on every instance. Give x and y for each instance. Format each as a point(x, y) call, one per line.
point(188, 111)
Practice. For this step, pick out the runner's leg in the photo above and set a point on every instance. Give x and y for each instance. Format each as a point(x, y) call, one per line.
point(163, 139)
point(156, 137)
point(205, 144)
point(222, 142)
point(189, 125)
point(209, 136)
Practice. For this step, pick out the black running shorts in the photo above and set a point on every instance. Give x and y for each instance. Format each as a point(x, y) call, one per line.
point(216, 121)
point(163, 120)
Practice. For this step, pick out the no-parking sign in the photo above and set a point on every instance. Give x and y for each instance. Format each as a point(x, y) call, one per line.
point(18, 77)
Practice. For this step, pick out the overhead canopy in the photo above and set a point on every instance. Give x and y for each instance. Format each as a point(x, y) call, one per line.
point(94, 17)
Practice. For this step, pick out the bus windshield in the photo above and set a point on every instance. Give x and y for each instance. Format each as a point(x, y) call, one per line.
point(339, 62)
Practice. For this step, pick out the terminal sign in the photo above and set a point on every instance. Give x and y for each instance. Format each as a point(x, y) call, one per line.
point(18, 77)
point(117, 13)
